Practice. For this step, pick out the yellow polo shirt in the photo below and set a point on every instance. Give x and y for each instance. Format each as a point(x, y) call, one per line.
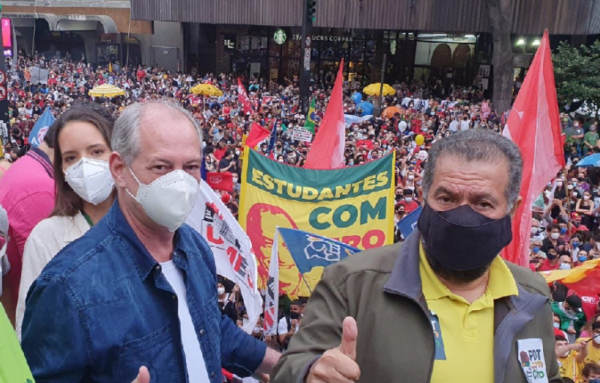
point(465, 344)
point(569, 368)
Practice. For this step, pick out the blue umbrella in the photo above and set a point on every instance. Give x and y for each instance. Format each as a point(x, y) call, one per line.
point(366, 107)
point(356, 97)
point(593, 160)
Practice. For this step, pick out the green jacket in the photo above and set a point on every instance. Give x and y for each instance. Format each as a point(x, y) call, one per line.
point(381, 289)
point(578, 322)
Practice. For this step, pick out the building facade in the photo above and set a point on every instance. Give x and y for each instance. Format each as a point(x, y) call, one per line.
point(446, 39)
point(97, 31)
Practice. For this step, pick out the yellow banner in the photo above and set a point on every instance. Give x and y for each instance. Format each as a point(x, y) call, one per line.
point(354, 205)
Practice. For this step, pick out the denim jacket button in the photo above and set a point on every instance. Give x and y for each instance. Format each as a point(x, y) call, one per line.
point(202, 332)
point(157, 268)
point(174, 296)
point(212, 374)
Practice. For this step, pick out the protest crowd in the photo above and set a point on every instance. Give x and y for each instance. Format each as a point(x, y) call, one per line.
point(565, 226)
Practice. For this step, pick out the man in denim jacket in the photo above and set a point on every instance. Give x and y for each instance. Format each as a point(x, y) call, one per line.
point(139, 289)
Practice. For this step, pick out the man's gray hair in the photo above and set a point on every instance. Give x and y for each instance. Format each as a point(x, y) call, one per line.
point(478, 146)
point(126, 133)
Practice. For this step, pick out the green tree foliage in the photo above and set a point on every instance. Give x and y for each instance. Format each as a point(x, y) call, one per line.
point(577, 73)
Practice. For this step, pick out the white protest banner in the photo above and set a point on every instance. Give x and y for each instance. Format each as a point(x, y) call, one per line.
point(231, 247)
point(351, 119)
point(301, 134)
point(39, 75)
point(272, 298)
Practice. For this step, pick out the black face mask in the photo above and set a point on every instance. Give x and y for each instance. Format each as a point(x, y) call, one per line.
point(551, 256)
point(462, 239)
point(294, 315)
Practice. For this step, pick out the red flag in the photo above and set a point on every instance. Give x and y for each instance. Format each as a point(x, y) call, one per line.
point(243, 97)
point(220, 181)
point(533, 124)
point(256, 135)
point(327, 151)
point(583, 279)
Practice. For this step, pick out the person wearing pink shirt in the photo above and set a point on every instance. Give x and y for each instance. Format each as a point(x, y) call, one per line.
point(27, 192)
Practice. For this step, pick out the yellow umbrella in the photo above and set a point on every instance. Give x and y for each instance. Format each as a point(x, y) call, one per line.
point(206, 90)
point(374, 89)
point(106, 90)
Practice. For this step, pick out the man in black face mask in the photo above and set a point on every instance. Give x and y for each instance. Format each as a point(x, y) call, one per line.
point(442, 306)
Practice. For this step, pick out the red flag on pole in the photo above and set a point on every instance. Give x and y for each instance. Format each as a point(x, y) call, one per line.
point(256, 135)
point(220, 181)
point(533, 124)
point(243, 97)
point(327, 151)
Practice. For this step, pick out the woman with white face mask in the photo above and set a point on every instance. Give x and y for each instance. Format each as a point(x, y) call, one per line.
point(84, 190)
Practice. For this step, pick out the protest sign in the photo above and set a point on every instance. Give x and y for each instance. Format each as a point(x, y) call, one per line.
point(231, 248)
point(301, 134)
point(39, 76)
point(353, 205)
point(272, 296)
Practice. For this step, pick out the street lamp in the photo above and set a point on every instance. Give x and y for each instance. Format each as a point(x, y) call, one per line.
point(536, 43)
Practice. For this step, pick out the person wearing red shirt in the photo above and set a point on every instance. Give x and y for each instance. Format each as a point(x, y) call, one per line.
point(408, 202)
point(415, 125)
point(140, 74)
point(220, 150)
point(589, 305)
point(552, 262)
point(576, 224)
point(52, 81)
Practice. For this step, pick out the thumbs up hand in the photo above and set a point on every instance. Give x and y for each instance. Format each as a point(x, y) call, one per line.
point(143, 376)
point(338, 364)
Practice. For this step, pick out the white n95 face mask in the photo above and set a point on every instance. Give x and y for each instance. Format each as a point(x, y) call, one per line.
point(90, 179)
point(168, 200)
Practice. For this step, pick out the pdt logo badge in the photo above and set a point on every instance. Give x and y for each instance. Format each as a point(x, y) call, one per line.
point(531, 358)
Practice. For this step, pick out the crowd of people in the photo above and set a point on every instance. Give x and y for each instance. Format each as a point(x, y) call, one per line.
point(564, 231)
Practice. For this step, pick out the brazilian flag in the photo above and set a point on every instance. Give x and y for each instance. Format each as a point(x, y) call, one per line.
point(311, 117)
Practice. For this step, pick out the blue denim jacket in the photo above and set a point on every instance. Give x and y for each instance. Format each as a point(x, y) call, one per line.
point(102, 308)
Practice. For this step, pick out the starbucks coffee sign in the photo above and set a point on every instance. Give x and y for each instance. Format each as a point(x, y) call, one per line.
point(280, 37)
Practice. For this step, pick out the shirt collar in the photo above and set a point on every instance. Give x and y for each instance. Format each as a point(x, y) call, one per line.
point(41, 157)
point(501, 282)
point(144, 262)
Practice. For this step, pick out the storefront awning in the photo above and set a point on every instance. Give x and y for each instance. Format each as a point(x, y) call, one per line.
point(70, 22)
point(26, 19)
point(85, 23)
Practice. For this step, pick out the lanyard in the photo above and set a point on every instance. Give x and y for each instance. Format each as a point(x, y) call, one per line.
point(87, 218)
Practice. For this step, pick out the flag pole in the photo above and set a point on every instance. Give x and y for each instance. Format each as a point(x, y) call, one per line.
point(568, 201)
point(306, 283)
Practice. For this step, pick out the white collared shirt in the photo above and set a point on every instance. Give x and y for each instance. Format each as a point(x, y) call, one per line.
point(45, 241)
